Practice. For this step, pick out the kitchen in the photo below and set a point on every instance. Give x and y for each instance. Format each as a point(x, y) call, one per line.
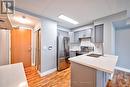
point(68, 45)
point(100, 44)
point(86, 58)
point(80, 41)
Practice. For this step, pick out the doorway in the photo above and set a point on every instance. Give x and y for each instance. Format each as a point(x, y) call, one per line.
point(21, 46)
point(38, 49)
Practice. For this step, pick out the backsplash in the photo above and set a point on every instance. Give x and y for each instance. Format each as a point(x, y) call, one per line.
point(87, 43)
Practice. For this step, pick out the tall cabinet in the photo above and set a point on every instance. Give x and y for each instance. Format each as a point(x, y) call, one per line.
point(97, 33)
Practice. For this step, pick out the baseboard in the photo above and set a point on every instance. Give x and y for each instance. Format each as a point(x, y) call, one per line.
point(47, 72)
point(122, 69)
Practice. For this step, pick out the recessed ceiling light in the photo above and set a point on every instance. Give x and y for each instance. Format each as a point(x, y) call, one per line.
point(65, 18)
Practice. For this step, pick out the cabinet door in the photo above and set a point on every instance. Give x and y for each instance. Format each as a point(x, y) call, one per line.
point(80, 33)
point(88, 32)
point(76, 37)
point(98, 33)
point(71, 35)
point(92, 35)
point(84, 33)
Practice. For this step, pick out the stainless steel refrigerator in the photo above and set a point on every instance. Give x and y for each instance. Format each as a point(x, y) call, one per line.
point(63, 52)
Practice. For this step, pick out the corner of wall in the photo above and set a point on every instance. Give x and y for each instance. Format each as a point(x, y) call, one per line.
point(48, 38)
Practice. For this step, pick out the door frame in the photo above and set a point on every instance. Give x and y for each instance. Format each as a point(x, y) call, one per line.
point(32, 46)
point(39, 43)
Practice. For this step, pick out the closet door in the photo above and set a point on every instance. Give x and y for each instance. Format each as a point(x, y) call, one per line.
point(21, 46)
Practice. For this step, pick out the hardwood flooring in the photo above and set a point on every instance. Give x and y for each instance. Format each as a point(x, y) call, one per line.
point(63, 63)
point(62, 79)
point(56, 79)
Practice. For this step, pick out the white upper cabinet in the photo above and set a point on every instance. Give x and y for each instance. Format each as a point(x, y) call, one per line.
point(71, 35)
point(76, 37)
point(88, 32)
point(85, 33)
point(82, 34)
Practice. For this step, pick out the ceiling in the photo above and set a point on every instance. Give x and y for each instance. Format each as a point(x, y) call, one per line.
point(83, 11)
point(33, 20)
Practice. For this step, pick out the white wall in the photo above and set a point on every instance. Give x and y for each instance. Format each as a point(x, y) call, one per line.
point(109, 32)
point(123, 47)
point(4, 47)
point(48, 38)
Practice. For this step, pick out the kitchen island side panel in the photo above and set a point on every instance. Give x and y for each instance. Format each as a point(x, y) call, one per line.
point(82, 76)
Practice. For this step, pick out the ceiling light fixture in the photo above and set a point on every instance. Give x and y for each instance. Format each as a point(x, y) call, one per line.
point(65, 18)
point(22, 20)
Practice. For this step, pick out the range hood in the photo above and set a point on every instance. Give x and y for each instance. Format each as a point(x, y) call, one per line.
point(5, 22)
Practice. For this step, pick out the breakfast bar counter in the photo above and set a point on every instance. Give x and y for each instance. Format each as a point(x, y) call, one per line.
point(87, 71)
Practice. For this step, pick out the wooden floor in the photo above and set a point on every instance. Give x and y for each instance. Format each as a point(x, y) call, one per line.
point(56, 79)
point(63, 63)
point(62, 79)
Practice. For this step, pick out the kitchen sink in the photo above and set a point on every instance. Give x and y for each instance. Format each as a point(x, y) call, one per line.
point(94, 55)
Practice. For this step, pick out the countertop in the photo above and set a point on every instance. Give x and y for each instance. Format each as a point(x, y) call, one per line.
point(104, 63)
point(13, 75)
